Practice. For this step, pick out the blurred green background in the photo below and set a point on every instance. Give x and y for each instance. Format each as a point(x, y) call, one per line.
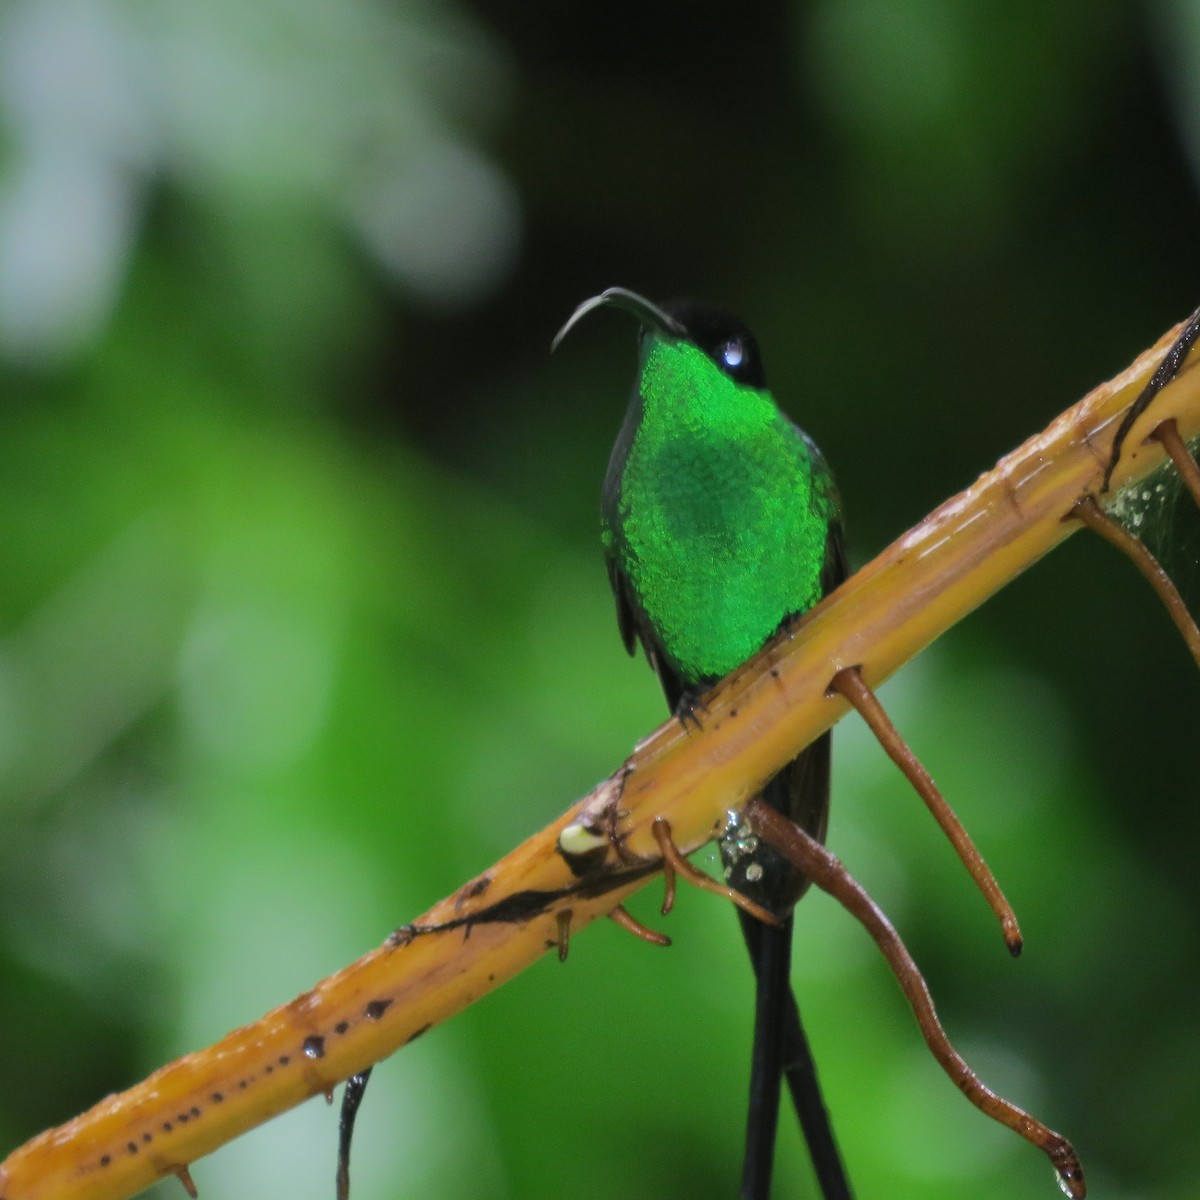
point(302, 615)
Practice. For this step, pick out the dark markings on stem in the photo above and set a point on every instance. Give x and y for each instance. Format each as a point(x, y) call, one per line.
point(472, 890)
point(1167, 370)
point(519, 907)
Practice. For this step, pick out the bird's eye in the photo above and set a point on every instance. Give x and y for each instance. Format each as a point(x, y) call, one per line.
point(733, 354)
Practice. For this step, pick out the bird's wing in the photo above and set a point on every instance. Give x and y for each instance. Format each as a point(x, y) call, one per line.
point(635, 628)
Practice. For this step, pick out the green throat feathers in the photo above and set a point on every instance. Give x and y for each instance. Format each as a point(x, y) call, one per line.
point(717, 508)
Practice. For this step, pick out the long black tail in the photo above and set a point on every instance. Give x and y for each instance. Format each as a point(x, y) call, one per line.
point(781, 1052)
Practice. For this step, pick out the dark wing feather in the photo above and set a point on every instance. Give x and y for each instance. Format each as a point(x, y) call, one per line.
point(837, 566)
point(635, 628)
point(626, 621)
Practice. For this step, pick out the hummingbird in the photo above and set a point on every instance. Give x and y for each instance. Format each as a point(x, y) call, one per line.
point(721, 525)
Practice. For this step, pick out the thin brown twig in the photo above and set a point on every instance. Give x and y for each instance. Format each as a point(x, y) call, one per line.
point(1167, 436)
point(849, 684)
point(562, 922)
point(184, 1176)
point(675, 864)
point(669, 873)
point(1088, 510)
point(827, 872)
point(621, 916)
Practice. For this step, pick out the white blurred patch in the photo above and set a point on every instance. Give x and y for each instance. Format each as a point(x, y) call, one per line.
point(70, 195)
point(444, 220)
point(355, 110)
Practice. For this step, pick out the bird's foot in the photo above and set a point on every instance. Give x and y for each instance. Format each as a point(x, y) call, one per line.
point(688, 709)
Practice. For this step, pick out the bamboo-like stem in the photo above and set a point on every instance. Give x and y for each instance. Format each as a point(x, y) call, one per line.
point(753, 723)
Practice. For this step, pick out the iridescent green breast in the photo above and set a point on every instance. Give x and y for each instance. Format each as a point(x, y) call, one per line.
point(717, 513)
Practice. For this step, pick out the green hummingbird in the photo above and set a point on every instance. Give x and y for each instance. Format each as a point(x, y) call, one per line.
point(721, 525)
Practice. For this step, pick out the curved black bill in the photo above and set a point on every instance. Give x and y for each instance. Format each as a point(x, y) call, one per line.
point(649, 314)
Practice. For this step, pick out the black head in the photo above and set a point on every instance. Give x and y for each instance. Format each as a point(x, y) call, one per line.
point(720, 335)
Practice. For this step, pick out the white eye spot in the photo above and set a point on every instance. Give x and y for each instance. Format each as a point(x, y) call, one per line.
point(733, 354)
